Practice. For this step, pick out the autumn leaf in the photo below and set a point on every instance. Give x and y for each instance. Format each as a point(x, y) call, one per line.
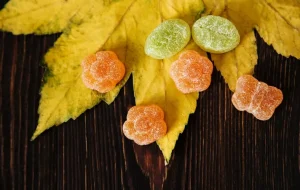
point(151, 80)
point(63, 95)
point(92, 26)
point(277, 22)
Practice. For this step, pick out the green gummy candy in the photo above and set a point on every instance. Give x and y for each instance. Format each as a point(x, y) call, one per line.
point(169, 38)
point(215, 34)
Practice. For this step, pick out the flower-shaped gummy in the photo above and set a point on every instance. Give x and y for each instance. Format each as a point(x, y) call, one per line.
point(145, 124)
point(102, 71)
point(191, 72)
point(256, 97)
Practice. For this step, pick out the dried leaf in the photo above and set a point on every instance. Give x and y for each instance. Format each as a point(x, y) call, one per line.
point(64, 96)
point(152, 83)
point(119, 28)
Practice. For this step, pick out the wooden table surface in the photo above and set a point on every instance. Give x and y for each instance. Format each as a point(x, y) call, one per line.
point(221, 148)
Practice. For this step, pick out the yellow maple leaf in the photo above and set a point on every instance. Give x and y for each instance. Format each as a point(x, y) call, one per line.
point(151, 80)
point(120, 26)
point(277, 22)
point(64, 95)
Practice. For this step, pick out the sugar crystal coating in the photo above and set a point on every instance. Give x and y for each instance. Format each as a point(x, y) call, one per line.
point(145, 124)
point(256, 97)
point(191, 72)
point(167, 39)
point(215, 34)
point(102, 71)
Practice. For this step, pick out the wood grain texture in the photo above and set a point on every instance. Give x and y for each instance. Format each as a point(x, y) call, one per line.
point(221, 147)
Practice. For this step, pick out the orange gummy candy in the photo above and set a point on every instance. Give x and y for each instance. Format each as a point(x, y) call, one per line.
point(256, 97)
point(191, 72)
point(102, 71)
point(145, 124)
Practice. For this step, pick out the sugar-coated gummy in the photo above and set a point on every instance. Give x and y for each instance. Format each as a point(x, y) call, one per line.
point(256, 97)
point(191, 72)
point(215, 34)
point(145, 124)
point(102, 71)
point(167, 39)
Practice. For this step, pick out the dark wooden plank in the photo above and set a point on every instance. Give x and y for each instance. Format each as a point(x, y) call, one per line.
point(220, 149)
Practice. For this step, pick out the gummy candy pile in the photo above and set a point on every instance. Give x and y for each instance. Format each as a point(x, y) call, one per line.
point(191, 72)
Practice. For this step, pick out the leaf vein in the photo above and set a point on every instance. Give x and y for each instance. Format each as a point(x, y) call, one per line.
point(281, 16)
